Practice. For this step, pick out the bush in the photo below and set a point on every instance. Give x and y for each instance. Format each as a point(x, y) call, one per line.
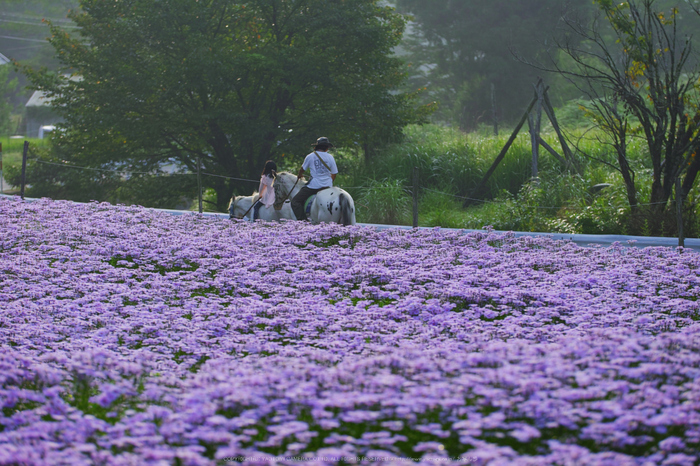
point(384, 201)
point(441, 209)
point(451, 163)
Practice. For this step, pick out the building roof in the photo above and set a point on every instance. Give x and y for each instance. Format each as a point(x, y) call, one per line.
point(38, 99)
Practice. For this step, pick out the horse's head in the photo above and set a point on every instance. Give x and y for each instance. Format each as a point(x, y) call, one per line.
point(240, 206)
point(285, 184)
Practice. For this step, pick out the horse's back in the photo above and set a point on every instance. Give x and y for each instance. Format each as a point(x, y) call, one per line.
point(347, 209)
point(335, 205)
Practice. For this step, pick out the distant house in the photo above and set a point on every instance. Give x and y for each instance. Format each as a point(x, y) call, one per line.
point(40, 117)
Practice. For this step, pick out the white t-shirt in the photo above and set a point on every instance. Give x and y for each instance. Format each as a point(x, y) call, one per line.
point(320, 176)
point(268, 197)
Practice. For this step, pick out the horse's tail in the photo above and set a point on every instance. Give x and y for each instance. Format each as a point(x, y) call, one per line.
point(346, 210)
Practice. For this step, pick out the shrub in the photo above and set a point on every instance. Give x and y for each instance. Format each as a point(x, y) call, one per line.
point(384, 201)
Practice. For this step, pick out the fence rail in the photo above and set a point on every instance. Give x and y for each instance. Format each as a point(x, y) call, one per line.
point(413, 191)
point(379, 187)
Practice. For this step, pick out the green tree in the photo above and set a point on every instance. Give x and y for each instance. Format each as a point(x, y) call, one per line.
point(23, 36)
point(6, 87)
point(464, 47)
point(643, 84)
point(229, 82)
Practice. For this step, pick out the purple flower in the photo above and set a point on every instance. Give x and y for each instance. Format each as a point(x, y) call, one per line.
point(129, 336)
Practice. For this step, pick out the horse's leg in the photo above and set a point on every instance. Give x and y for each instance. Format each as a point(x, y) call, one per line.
point(270, 214)
point(344, 208)
point(316, 215)
point(286, 212)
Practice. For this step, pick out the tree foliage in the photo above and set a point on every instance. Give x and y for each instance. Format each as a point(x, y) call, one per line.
point(23, 37)
point(464, 47)
point(6, 86)
point(231, 83)
point(645, 84)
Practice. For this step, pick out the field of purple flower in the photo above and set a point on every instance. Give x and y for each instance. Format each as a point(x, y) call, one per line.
point(133, 337)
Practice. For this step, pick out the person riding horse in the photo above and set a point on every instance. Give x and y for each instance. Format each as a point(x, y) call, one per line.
point(323, 170)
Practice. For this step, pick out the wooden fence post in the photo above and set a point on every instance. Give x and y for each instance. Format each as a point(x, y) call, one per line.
point(415, 197)
point(551, 150)
point(501, 155)
point(679, 212)
point(543, 103)
point(199, 182)
point(568, 155)
point(536, 126)
point(24, 168)
point(534, 140)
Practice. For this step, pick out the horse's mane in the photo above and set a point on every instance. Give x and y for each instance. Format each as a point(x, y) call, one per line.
point(279, 197)
point(255, 196)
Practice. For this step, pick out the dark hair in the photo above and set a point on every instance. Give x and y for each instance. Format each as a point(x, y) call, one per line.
point(322, 147)
point(270, 169)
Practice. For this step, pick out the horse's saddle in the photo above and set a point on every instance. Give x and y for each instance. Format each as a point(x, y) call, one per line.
point(309, 202)
point(307, 205)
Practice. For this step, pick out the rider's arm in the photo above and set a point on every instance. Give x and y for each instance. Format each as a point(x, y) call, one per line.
point(301, 173)
point(333, 176)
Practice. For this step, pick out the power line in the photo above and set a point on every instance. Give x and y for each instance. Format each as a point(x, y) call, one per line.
point(227, 177)
point(16, 49)
point(35, 24)
point(533, 207)
point(24, 39)
point(34, 17)
point(21, 22)
point(129, 172)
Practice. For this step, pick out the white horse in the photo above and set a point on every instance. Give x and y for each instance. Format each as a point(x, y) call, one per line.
point(329, 205)
point(241, 206)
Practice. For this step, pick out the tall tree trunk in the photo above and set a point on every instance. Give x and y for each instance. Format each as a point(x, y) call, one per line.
point(628, 177)
point(690, 176)
point(223, 194)
point(223, 152)
point(224, 157)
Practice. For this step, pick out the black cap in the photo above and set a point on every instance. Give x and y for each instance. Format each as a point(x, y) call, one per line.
point(322, 142)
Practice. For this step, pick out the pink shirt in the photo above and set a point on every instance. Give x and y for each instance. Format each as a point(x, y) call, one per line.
point(268, 197)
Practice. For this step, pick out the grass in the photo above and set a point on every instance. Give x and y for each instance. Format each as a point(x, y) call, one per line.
point(12, 148)
point(12, 154)
point(451, 164)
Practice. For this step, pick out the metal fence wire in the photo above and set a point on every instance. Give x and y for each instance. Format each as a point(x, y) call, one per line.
point(410, 189)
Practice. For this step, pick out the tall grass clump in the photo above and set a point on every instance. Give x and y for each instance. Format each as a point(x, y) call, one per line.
point(12, 148)
point(441, 209)
point(452, 161)
point(384, 201)
point(451, 164)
